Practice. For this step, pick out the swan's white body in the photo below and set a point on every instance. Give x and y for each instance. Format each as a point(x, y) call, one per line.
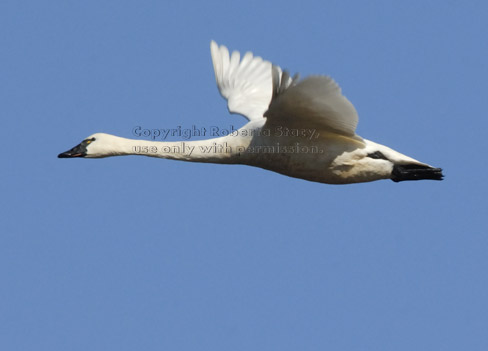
point(303, 129)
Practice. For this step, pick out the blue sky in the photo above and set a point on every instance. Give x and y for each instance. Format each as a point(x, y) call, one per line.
point(138, 253)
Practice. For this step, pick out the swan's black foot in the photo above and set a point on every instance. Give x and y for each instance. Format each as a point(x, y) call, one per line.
point(415, 172)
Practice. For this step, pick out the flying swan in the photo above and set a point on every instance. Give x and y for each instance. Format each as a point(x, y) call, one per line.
point(299, 128)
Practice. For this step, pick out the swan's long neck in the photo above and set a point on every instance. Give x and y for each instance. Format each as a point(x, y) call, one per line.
point(219, 150)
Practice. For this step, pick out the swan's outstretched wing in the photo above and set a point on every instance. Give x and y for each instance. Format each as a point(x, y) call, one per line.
point(315, 102)
point(254, 87)
point(246, 84)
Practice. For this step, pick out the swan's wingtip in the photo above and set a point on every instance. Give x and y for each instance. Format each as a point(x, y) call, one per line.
point(213, 45)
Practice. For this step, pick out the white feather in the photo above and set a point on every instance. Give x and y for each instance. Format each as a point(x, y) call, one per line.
point(246, 84)
point(315, 102)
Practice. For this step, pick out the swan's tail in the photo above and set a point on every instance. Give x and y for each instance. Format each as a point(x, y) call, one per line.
point(415, 172)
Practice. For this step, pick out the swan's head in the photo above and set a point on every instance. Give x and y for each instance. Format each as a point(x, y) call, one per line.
point(94, 146)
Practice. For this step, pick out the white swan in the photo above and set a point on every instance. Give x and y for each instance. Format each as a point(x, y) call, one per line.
point(300, 128)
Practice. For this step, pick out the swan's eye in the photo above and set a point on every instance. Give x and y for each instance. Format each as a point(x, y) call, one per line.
point(88, 141)
point(377, 155)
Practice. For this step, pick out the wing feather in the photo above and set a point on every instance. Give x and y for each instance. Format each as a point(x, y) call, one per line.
point(315, 102)
point(246, 83)
point(255, 89)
